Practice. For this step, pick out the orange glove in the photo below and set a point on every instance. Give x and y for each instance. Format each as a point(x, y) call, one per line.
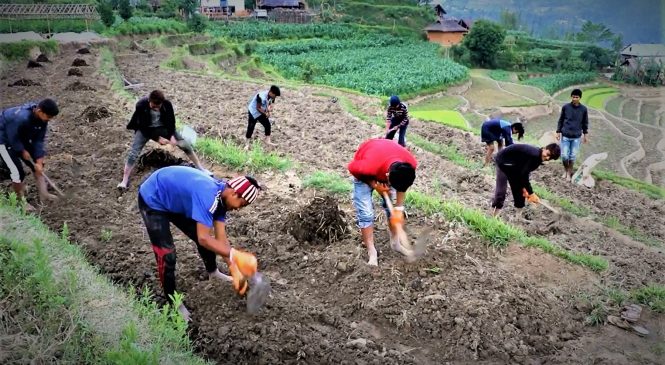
point(397, 216)
point(533, 198)
point(381, 188)
point(243, 266)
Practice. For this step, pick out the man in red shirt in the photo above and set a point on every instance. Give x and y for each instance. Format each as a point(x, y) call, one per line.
point(381, 165)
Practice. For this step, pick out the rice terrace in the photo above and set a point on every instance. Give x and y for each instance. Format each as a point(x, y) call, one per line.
point(333, 183)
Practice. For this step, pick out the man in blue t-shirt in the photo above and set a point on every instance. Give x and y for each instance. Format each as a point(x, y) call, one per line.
point(258, 110)
point(501, 132)
point(196, 203)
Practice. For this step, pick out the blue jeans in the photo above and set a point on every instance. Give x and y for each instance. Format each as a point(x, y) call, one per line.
point(362, 201)
point(570, 147)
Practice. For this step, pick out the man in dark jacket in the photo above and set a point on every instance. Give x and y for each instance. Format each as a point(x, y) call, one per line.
point(22, 134)
point(573, 124)
point(154, 119)
point(514, 164)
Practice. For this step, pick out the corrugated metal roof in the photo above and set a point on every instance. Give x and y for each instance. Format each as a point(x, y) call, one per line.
point(644, 50)
point(279, 3)
point(446, 26)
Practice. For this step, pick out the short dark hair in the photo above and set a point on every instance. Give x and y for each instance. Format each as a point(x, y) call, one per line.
point(519, 128)
point(401, 176)
point(576, 92)
point(275, 90)
point(49, 107)
point(156, 97)
point(555, 151)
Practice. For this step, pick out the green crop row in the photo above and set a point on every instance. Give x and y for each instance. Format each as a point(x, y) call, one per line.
point(308, 45)
point(261, 31)
point(553, 83)
point(386, 70)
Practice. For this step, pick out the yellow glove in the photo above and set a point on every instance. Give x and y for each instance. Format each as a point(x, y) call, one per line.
point(243, 265)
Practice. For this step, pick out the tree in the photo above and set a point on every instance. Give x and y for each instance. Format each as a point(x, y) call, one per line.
point(596, 57)
point(124, 9)
point(106, 13)
point(509, 20)
point(484, 41)
point(594, 33)
point(197, 23)
point(188, 7)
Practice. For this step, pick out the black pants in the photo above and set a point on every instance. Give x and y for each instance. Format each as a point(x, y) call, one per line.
point(159, 231)
point(402, 132)
point(251, 123)
point(502, 181)
point(10, 165)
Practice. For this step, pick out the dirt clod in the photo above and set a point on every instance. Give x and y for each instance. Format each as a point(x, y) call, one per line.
point(33, 64)
point(320, 222)
point(79, 62)
point(24, 82)
point(158, 158)
point(74, 72)
point(83, 50)
point(92, 114)
point(42, 58)
point(79, 86)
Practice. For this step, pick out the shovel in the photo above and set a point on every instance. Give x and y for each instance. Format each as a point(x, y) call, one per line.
point(48, 181)
point(258, 292)
point(413, 251)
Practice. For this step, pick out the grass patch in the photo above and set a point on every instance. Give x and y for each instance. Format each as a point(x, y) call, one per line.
point(324, 181)
point(652, 295)
point(109, 69)
point(564, 203)
point(615, 223)
point(230, 154)
point(21, 50)
point(596, 98)
point(48, 288)
point(500, 75)
point(447, 117)
point(53, 26)
point(444, 102)
point(650, 190)
point(147, 25)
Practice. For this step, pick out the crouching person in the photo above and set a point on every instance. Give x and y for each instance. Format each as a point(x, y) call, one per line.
point(196, 204)
point(381, 165)
point(514, 165)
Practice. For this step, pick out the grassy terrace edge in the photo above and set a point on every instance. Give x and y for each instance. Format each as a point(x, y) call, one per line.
point(496, 232)
point(51, 279)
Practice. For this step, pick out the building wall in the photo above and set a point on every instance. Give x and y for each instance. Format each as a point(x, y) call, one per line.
point(446, 39)
point(239, 4)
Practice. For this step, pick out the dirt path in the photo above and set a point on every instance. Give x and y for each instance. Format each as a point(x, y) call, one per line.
point(463, 303)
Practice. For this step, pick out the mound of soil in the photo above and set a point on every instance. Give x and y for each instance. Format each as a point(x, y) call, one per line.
point(79, 86)
point(157, 158)
point(42, 58)
point(84, 50)
point(79, 62)
point(33, 64)
point(24, 82)
point(320, 222)
point(92, 114)
point(74, 72)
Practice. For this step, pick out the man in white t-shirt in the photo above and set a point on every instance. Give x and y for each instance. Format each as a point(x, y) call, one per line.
point(258, 110)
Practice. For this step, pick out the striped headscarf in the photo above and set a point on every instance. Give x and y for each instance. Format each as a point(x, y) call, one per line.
point(244, 188)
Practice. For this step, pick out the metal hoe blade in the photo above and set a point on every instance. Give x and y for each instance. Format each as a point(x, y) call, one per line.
point(259, 291)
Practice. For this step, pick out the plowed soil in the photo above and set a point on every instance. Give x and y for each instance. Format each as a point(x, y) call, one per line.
point(462, 303)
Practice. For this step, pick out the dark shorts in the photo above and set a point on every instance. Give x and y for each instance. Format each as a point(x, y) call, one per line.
point(486, 135)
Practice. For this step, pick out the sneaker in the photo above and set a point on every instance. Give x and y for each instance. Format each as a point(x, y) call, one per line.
point(122, 186)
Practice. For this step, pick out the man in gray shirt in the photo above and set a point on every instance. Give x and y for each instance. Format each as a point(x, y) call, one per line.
point(573, 127)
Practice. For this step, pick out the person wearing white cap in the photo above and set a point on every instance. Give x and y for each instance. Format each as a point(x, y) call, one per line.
point(196, 203)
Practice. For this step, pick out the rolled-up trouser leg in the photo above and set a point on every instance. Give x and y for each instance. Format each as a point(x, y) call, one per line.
point(157, 225)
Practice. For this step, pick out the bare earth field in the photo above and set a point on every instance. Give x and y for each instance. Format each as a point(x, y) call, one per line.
point(463, 303)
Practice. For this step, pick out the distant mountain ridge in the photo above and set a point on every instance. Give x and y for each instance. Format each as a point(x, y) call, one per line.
point(640, 21)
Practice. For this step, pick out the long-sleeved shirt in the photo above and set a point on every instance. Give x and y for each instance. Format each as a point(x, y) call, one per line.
point(517, 162)
point(573, 121)
point(373, 158)
point(142, 118)
point(21, 130)
point(399, 114)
